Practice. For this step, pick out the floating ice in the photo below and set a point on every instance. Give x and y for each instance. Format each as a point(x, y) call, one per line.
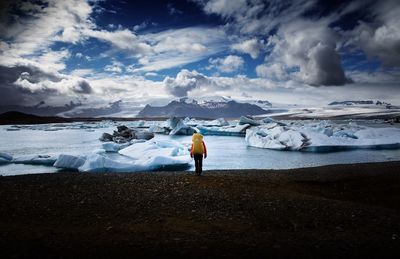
point(322, 137)
point(35, 160)
point(182, 129)
point(218, 122)
point(145, 156)
point(6, 156)
point(238, 130)
point(275, 138)
point(69, 161)
point(97, 163)
point(249, 120)
point(159, 129)
point(115, 147)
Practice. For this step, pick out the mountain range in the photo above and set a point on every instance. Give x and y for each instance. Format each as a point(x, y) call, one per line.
point(208, 108)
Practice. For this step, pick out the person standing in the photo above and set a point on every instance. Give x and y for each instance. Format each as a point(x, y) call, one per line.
point(197, 151)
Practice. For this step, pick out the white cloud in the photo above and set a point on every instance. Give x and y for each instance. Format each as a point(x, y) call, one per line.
point(53, 59)
point(80, 55)
point(256, 16)
point(141, 26)
point(381, 37)
point(274, 71)
point(149, 74)
point(115, 67)
point(252, 47)
point(124, 40)
point(228, 64)
point(179, 47)
point(82, 72)
point(58, 21)
point(311, 47)
point(193, 83)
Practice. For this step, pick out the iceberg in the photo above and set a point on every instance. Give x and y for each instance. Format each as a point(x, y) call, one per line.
point(97, 163)
point(182, 129)
point(142, 156)
point(322, 137)
point(156, 129)
point(69, 161)
point(123, 135)
point(218, 122)
point(35, 160)
point(114, 147)
point(238, 130)
point(4, 161)
point(249, 120)
point(278, 137)
point(6, 156)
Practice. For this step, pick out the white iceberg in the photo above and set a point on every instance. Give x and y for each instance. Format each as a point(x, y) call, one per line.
point(5, 158)
point(35, 160)
point(69, 161)
point(249, 120)
point(145, 156)
point(238, 130)
point(275, 138)
point(218, 122)
point(114, 147)
point(182, 129)
point(97, 163)
point(322, 137)
point(156, 129)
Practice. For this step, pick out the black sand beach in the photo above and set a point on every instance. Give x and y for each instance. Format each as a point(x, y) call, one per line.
point(331, 211)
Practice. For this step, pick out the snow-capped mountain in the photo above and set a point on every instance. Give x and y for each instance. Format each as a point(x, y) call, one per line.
point(362, 102)
point(210, 107)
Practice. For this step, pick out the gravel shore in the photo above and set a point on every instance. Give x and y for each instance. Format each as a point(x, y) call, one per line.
point(329, 211)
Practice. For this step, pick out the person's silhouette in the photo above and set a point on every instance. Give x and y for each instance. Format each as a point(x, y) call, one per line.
point(197, 151)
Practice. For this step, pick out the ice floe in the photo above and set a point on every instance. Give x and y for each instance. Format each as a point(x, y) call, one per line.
point(5, 158)
point(69, 161)
point(124, 134)
point(322, 137)
point(48, 160)
point(140, 156)
point(238, 130)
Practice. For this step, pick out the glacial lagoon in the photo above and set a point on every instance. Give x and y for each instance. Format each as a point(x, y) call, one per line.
point(224, 152)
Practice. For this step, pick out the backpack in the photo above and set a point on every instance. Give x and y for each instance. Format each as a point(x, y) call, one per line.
point(198, 148)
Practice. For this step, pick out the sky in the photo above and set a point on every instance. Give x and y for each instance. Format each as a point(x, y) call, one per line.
point(96, 52)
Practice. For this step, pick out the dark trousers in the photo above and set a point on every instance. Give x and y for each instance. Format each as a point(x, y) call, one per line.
point(198, 163)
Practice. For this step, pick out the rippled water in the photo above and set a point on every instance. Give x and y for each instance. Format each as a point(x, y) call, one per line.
point(223, 152)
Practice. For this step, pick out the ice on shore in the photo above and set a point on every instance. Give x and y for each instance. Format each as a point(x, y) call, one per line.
point(321, 137)
point(69, 161)
point(35, 160)
point(140, 156)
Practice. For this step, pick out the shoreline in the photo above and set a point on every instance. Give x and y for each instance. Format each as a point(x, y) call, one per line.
point(330, 211)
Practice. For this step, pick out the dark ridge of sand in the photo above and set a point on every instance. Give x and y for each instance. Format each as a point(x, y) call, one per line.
point(324, 212)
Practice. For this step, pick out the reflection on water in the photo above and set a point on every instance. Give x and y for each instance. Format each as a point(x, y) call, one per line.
point(223, 152)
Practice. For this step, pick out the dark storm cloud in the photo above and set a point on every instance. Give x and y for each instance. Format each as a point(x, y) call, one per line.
point(29, 73)
point(380, 38)
point(82, 87)
point(13, 93)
